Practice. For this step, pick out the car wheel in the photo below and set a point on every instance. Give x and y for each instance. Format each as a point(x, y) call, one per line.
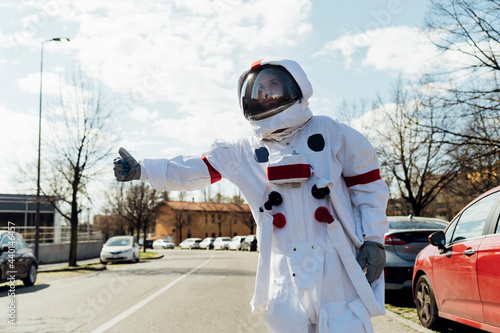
point(425, 302)
point(103, 262)
point(134, 258)
point(31, 278)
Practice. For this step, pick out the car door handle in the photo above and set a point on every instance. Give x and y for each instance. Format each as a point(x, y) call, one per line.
point(469, 252)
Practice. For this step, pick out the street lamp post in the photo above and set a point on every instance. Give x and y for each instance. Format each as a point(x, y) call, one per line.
point(37, 215)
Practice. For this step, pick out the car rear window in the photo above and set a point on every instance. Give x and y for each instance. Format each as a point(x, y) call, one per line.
point(414, 236)
point(417, 225)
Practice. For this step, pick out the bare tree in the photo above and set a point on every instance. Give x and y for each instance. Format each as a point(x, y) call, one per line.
point(237, 199)
point(181, 218)
point(469, 32)
point(110, 224)
point(350, 111)
point(136, 204)
point(414, 156)
point(249, 222)
point(221, 219)
point(78, 143)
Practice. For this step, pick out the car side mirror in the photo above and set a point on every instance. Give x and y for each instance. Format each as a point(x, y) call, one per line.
point(438, 239)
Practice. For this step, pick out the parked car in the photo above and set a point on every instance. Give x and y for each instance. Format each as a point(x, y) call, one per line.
point(406, 237)
point(20, 256)
point(188, 243)
point(207, 243)
point(149, 243)
point(163, 244)
point(195, 245)
point(456, 277)
point(120, 248)
point(250, 243)
point(235, 243)
point(220, 243)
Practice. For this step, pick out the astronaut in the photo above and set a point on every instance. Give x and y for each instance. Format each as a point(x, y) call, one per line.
point(315, 191)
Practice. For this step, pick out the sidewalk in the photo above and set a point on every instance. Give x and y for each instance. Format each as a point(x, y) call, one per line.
point(44, 268)
point(392, 322)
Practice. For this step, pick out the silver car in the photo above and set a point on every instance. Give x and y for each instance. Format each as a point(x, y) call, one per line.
point(163, 244)
point(120, 248)
point(407, 236)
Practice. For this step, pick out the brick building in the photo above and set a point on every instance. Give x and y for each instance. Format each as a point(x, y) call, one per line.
point(202, 219)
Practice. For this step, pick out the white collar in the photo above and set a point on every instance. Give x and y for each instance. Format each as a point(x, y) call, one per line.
point(291, 120)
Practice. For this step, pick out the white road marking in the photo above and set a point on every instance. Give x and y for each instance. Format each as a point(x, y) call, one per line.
point(145, 301)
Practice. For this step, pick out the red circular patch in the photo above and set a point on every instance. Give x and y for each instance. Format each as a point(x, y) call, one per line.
point(279, 220)
point(323, 215)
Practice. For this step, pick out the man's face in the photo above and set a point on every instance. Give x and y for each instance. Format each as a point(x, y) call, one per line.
point(269, 89)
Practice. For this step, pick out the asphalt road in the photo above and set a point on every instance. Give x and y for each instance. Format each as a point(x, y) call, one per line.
point(185, 291)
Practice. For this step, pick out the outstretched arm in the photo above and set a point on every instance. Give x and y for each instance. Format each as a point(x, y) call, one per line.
point(182, 173)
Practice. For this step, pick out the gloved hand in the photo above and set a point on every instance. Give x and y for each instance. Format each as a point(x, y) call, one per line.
point(126, 167)
point(372, 254)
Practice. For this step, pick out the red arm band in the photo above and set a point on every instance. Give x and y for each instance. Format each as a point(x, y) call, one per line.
point(215, 176)
point(364, 178)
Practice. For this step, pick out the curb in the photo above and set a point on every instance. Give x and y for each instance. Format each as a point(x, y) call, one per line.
point(407, 322)
point(83, 268)
point(70, 269)
point(150, 258)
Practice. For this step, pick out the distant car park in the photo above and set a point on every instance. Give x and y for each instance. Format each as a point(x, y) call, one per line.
point(120, 248)
point(196, 245)
point(207, 243)
point(250, 243)
point(149, 243)
point(14, 251)
point(236, 242)
point(189, 243)
point(163, 244)
point(221, 243)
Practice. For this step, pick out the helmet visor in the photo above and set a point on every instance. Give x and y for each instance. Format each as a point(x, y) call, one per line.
point(267, 91)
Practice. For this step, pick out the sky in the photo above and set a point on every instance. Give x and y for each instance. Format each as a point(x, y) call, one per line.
point(168, 69)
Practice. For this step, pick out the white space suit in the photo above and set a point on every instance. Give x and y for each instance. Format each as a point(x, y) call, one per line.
point(308, 279)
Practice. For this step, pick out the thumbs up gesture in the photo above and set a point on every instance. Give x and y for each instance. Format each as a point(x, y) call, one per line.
point(126, 167)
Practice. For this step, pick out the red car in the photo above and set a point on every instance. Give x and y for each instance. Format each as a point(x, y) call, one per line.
point(457, 277)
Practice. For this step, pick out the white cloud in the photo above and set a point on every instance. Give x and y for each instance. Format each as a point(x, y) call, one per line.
point(20, 132)
point(122, 42)
point(203, 127)
point(403, 49)
point(321, 105)
point(142, 114)
point(183, 52)
point(53, 83)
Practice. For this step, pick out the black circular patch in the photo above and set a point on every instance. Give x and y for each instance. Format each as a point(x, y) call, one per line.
point(316, 142)
point(261, 155)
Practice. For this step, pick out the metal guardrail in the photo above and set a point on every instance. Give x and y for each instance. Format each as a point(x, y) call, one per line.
point(57, 234)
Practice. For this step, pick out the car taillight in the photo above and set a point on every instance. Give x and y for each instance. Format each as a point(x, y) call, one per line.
point(394, 240)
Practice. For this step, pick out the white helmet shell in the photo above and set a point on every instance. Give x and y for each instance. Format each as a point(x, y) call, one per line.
point(279, 67)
